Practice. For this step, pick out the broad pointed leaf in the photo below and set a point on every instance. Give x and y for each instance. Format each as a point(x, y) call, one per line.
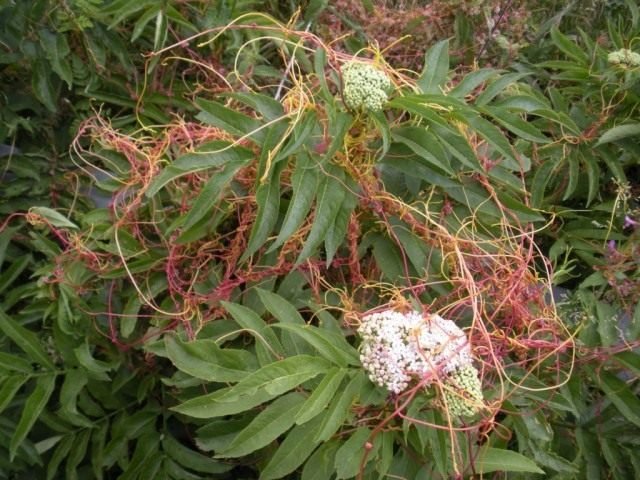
point(436, 67)
point(204, 359)
point(268, 201)
point(212, 154)
point(329, 199)
point(305, 185)
point(339, 409)
point(267, 343)
point(332, 346)
point(499, 460)
point(32, 410)
point(26, 340)
point(322, 395)
point(272, 422)
point(293, 451)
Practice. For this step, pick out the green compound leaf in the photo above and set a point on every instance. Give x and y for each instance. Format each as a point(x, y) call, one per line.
point(211, 192)
point(192, 459)
point(473, 80)
point(339, 408)
point(493, 136)
point(629, 359)
point(436, 68)
point(349, 455)
point(268, 107)
point(268, 201)
point(218, 434)
point(272, 422)
point(31, 411)
point(76, 454)
point(305, 185)
point(593, 176)
point(425, 145)
point(285, 312)
point(97, 368)
point(57, 50)
point(229, 120)
point(213, 404)
point(293, 451)
point(527, 103)
point(458, 147)
point(203, 359)
point(280, 308)
point(574, 176)
point(499, 460)
point(42, 87)
point(258, 387)
point(10, 274)
point(382, 124)
point(568, 47)
point(314, 9)
point(279, 377)
point(300, 136)
point(329, 199)
point(54, 217)
point(542, 177)
point(144, 20)
point(15, 363)
point(332, 346)
point(74, 382)
point(321, 396)
point(320, 465)
point(438, 441)
point(613, 454)
point(619, 133)
point(267, 343)
point(619, 393)
point(338, 230)
point(60, 453)
point(122, 9)
point(26, 340)
point(498, 86)
point(389, 259)
point(9, 386)
point(209, 155)
point(416, 105)
point(516, 125)
point(339, 124)
point(590, 449)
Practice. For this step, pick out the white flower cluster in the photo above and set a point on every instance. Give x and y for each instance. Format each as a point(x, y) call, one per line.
point(463, 392)
point(398, 347)
point(364, 86)
point(625, 57)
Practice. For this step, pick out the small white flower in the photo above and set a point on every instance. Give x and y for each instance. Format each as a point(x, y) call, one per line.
point(398, 348)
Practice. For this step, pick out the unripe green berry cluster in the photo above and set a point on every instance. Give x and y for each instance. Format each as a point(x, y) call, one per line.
point(463, 392)
point(365, 87)
point(624, 56)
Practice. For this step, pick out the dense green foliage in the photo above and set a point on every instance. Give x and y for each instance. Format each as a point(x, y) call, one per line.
point(201, 208)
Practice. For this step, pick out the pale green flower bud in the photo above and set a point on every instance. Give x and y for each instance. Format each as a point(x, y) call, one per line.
point(614, 58)
point(365, 87)
point(624, 56)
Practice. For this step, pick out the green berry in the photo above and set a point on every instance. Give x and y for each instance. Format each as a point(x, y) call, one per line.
point(463, 392)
